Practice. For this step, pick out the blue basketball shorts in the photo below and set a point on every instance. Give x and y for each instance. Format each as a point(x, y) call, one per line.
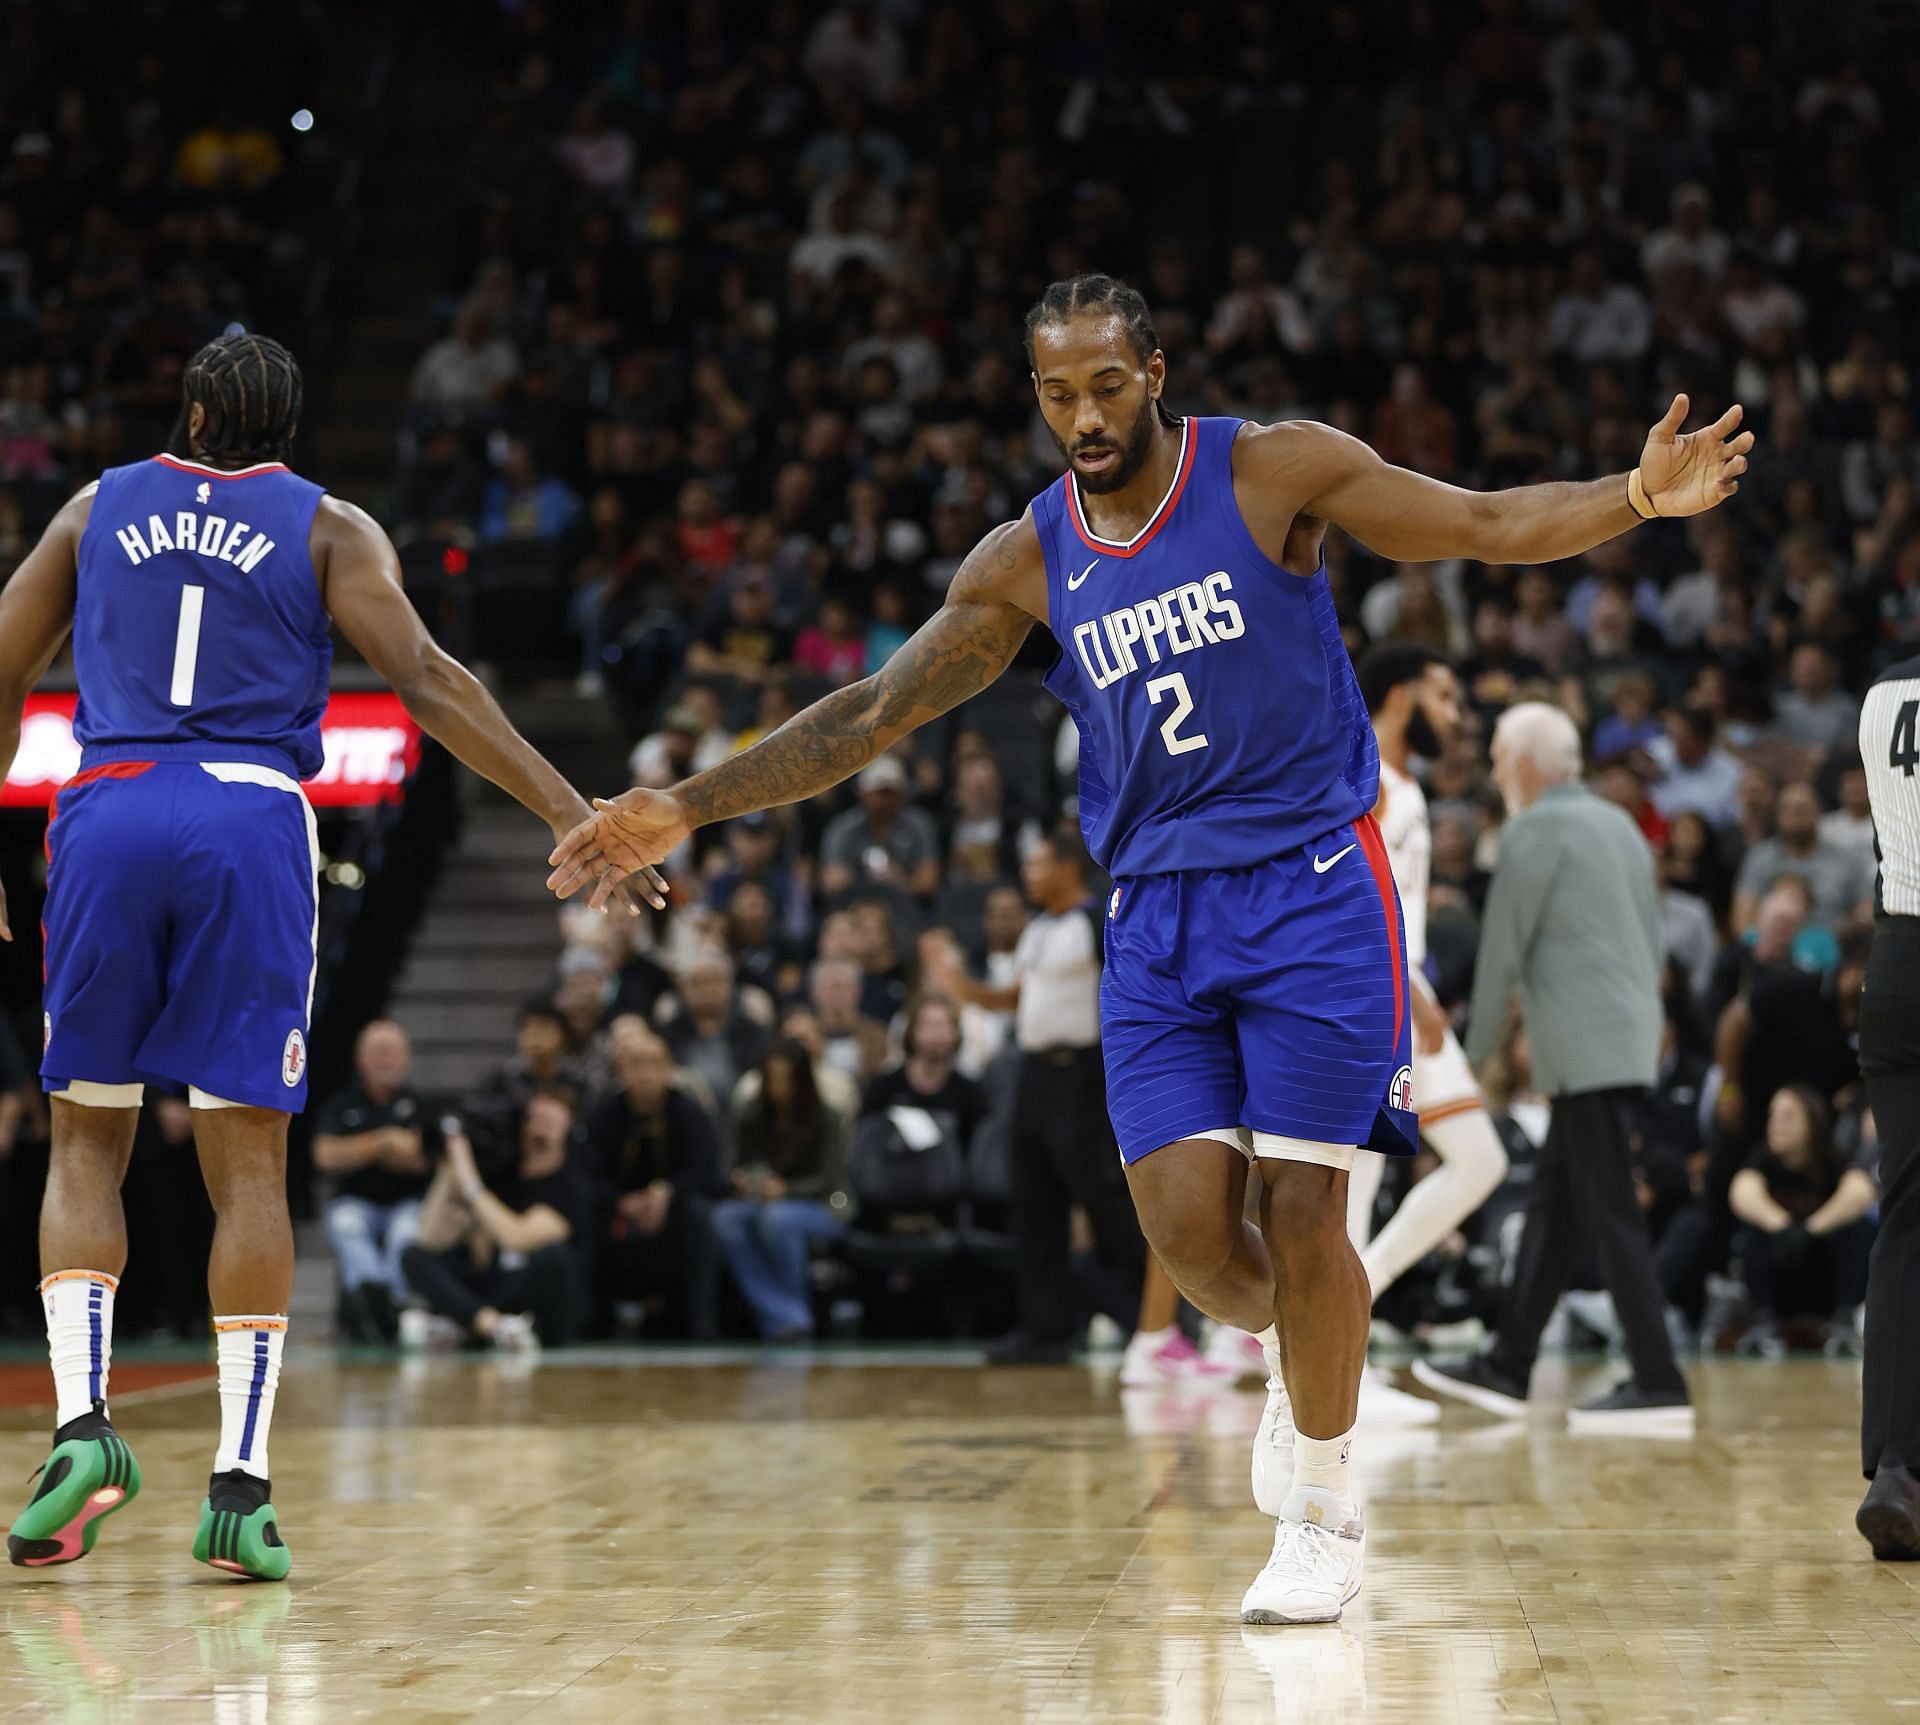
point(1271, 998)
point(181, 925)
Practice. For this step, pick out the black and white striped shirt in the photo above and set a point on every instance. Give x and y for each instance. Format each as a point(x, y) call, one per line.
point(1890, 751)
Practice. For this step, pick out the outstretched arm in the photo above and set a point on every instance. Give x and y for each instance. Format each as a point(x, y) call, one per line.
point(1325, 475)
point(36, 612)
point(360, 583)
point(993, 601)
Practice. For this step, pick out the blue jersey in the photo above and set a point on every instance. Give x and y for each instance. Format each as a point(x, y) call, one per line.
point(1220, 722)
point(198, 630)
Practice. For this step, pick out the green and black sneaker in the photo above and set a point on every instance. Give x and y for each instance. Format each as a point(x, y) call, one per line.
point(90, 1474)
point(238, 1532)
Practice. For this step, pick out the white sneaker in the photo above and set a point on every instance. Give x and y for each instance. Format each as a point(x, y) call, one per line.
point(1383, 1405)
point(513, 1333)
point(428, 1330)
point(1104, 1336)
point(1237, 1351)
point(1273, 1442)
point(1319, 1554)
point(1167, 1357)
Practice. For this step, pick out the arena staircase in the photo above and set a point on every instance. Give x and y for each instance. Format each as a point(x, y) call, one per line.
point(491, 934)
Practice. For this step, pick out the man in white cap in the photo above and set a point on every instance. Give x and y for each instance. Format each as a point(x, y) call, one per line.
point(883, 842)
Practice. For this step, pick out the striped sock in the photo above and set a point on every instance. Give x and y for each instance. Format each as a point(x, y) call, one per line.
point(249, 1353)
point(79, 1307)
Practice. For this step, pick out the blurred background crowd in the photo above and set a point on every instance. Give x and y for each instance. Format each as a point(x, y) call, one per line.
point(727, 379)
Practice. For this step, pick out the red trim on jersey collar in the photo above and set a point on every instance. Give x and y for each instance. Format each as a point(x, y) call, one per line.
point(1189, 438)
point(221, 472)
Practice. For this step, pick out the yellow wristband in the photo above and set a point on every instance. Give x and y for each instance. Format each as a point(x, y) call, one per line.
point(1637, 499)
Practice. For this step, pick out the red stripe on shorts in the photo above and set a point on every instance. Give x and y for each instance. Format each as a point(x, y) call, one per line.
point(106, 770)
point(1374, 848)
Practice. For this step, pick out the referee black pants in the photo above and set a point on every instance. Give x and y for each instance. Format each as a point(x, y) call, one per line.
point(1890, 1063)
point(1064, 1154)
point(1583, 1196)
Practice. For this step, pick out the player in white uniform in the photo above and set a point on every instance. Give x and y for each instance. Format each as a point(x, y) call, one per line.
point(1413, 699)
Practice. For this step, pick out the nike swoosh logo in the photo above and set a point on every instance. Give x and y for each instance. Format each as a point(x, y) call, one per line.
point(1320, 867)
point(1074, 581)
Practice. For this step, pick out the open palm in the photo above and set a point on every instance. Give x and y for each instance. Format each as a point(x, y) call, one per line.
point(1688, 474)
point(629, 832)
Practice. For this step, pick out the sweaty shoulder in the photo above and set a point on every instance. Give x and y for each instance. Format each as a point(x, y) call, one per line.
point(1007, 567)
point(1277, 472)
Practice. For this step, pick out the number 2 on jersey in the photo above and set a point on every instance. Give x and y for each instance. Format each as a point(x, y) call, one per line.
point(1182, 709)
point(186, 645)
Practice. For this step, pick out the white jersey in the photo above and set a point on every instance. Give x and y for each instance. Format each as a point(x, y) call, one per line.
point(1409, 840)
point(1890, 751)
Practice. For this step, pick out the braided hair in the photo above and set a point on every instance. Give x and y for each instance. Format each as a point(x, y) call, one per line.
point(1104, 296)
point(250, 389)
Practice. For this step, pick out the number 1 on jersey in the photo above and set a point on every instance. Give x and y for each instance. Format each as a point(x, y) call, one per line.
point(1182, 708)
point(186, 645)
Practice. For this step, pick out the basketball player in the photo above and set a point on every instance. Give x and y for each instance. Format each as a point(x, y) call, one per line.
point(1254, 1004)
point(182, 906)
point(1413, 698)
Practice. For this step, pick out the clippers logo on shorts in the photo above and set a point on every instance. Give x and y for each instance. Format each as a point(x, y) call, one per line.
point(293, 1064)
point(1400, 1091)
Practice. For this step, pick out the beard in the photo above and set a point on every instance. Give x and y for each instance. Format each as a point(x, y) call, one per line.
point(1422, 738)
point(1133, 454)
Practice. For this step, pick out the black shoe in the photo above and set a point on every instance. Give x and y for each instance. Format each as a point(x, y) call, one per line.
point(1889, 1516)
point(1476, 1381)
point(383, 1317)
point(1018, 1348)
point(354, 1318)
point(1627, 1409)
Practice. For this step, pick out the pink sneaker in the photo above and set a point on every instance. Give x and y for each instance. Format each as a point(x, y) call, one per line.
point(1167, 1358)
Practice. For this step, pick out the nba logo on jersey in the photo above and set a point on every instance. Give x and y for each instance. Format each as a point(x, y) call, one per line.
point(293, 1063)
point(1113, 905)
point(1400, 1091)
point(205, 493)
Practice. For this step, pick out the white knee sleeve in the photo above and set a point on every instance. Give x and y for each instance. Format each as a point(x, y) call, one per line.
point(198, 1098)
point(83, 1094)
point(1284, 1149)
point(1472, 1164)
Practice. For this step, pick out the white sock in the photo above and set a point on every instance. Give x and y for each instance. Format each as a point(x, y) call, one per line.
point(79, 1307)
point(249, 1352)
point(1472, 1163)
point(1322, 1462)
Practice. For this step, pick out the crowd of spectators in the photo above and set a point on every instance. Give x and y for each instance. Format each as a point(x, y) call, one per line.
point(141, 214)
point(731, 363)
point(734, 338)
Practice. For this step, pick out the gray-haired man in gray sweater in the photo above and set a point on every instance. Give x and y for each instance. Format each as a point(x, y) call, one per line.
point(1573, 923)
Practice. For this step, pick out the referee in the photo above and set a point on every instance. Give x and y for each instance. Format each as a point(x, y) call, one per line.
point(1063, 1146)
point(1889, 1517)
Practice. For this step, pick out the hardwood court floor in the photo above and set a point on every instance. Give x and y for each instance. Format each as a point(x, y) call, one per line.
point(614, 1540)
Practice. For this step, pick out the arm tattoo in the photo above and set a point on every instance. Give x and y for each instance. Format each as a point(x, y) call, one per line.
point(955, 654)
